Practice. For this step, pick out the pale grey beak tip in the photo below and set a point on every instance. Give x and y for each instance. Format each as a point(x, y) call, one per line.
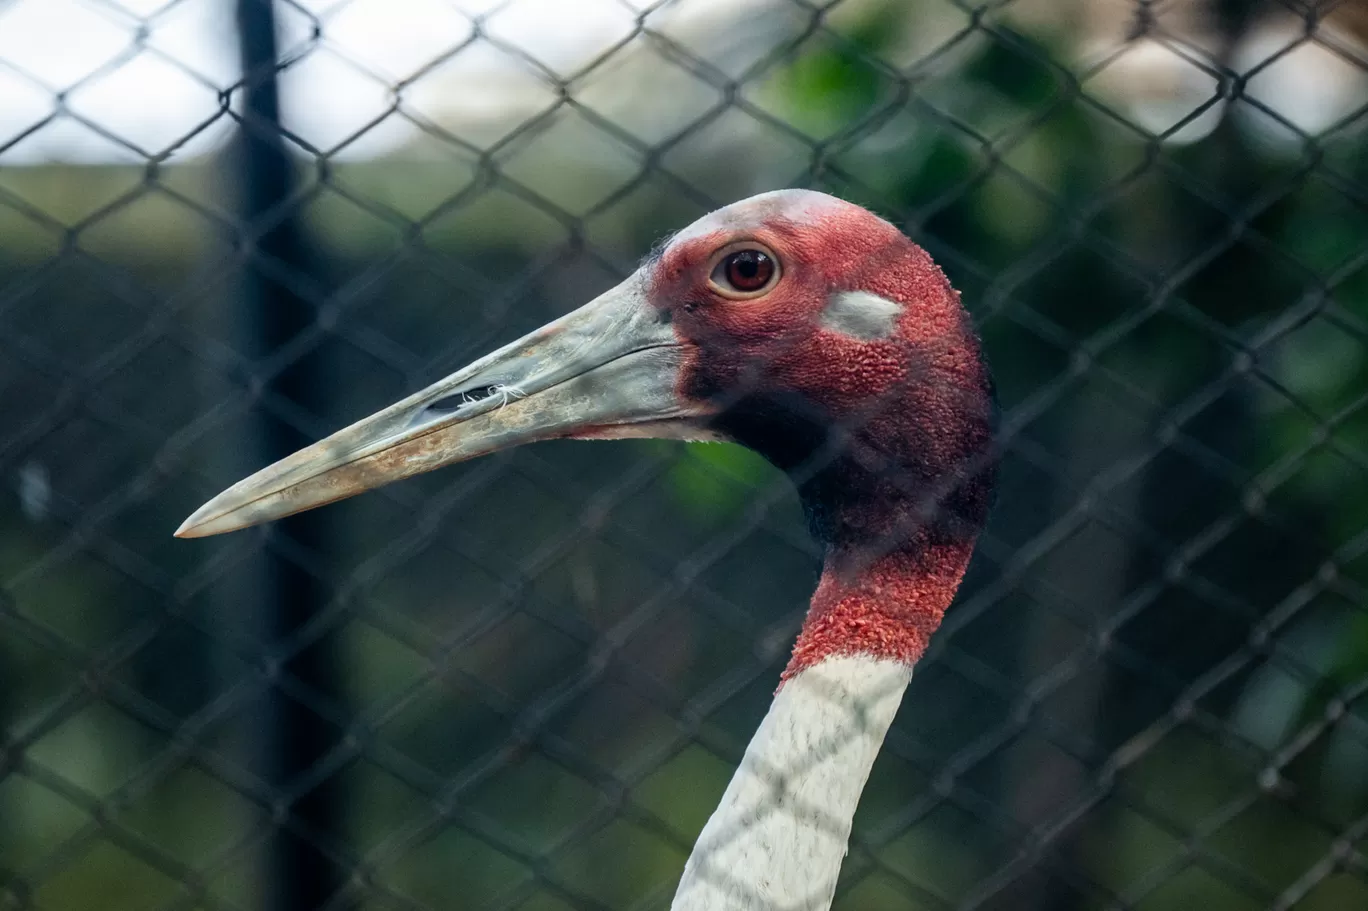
point(206, 521)
point(193, 527)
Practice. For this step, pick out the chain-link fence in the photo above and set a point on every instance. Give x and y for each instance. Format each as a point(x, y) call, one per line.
point(523, 682)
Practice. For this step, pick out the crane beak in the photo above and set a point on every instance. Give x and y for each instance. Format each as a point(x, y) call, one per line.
point(608, 369)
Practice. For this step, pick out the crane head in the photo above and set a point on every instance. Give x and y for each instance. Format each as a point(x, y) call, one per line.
point(794, 323)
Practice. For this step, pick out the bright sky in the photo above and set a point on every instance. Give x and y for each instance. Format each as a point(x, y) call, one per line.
point(149, 71)
point(154, 91)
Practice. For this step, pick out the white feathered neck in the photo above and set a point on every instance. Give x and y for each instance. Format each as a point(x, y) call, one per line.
point(780, 833)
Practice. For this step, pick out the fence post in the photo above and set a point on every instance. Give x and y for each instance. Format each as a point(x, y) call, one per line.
point(293, 737)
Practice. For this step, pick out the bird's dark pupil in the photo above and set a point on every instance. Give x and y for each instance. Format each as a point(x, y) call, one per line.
point(749, 270)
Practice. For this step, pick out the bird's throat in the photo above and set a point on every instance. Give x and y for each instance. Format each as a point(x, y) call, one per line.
point(780, 832)
point(881, 606)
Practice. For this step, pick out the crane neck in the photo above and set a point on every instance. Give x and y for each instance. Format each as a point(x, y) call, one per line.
point(781, 830)
point(779, 834)
point(881, 605)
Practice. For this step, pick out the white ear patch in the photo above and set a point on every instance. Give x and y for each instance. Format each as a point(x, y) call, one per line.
point(860, 315)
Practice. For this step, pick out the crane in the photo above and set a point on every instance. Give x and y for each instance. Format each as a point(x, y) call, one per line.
point(815, 333)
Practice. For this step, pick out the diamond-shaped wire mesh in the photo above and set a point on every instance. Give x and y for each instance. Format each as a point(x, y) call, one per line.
point(228, 228)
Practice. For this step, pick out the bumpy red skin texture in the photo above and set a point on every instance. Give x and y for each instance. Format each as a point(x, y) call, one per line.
point(919, 400)
point(888, 611)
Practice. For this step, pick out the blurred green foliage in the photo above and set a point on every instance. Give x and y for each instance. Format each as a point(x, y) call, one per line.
point(1151, 696)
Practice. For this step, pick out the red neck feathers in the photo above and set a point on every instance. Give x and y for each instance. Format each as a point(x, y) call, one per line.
point(887, 608)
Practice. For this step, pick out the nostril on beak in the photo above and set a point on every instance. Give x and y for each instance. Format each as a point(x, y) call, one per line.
point(449, 404)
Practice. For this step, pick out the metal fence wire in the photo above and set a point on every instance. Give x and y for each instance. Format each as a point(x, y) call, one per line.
point(523, 682)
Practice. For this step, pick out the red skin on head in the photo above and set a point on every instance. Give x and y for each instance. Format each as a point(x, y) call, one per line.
point(917, 407)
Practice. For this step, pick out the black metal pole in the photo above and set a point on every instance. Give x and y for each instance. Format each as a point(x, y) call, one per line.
point(300, 875)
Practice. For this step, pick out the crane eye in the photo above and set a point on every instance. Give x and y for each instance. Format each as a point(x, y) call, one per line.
point(744, 271)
